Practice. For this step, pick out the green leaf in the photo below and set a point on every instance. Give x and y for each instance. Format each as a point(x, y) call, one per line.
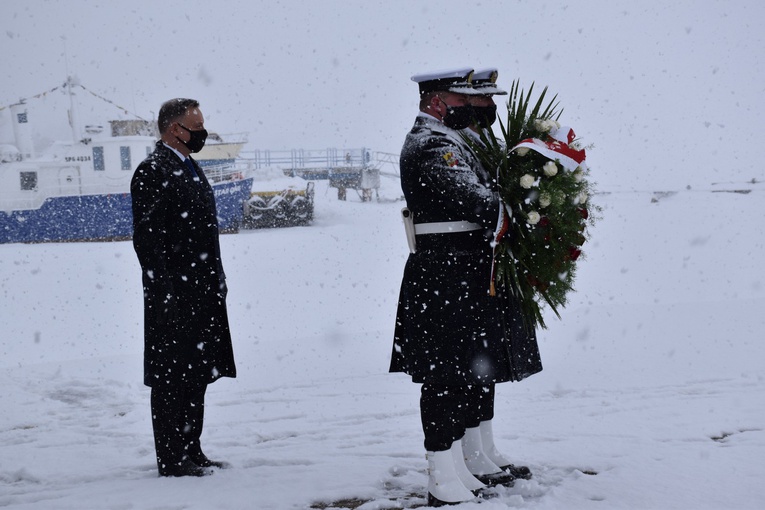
point(533, 263)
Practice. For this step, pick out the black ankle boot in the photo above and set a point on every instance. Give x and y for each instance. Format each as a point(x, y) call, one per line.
point(501, 478)
point(518, 471)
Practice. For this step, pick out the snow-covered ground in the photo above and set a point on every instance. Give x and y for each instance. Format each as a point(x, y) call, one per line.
point(654, 379)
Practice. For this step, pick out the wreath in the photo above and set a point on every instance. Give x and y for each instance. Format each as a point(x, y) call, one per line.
point(544, 189)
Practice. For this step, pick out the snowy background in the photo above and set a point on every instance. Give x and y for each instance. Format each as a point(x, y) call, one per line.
point(671, 93)
point(654, 379)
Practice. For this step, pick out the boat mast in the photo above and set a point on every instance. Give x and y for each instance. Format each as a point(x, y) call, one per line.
point(73, 117)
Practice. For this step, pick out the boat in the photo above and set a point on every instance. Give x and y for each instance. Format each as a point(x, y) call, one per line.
point(79, 190)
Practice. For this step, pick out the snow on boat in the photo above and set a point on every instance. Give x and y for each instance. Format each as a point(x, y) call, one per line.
point(80, 190)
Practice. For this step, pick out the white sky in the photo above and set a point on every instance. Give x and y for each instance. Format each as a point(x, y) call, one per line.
point(670, 94)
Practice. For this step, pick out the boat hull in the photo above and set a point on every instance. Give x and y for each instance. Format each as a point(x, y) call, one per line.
point(104, 217)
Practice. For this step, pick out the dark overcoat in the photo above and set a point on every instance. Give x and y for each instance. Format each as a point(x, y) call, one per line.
point(175, 235)
point(449, 330)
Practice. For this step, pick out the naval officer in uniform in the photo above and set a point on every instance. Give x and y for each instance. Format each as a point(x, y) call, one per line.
point(450, 333)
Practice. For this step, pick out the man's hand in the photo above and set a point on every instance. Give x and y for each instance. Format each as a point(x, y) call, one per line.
point(166, 307)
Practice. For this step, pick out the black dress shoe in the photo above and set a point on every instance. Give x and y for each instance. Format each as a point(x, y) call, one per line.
point(202, 461)
point(518, 471)
point(184, 468)
point(502, 478)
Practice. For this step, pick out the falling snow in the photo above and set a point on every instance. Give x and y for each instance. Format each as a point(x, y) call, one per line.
point(652, 391)
point(653, 378)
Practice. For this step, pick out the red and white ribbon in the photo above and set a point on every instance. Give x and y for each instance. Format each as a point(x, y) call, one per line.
point(557, 148)
point(503, 225)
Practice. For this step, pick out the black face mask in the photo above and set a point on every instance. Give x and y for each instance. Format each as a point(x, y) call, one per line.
point(197, 140)
point(458, 117)
point(485, 116)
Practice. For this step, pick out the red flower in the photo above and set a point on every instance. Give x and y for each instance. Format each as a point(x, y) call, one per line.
point(544, 221)
point(534, 282)
point(574, 252)
point(585, 214)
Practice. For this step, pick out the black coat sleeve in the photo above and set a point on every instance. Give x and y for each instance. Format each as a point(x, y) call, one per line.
point(150, 224)
point(439, 175)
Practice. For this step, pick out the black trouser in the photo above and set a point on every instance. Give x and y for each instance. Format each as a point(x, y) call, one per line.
point(447, 410)
point(177, 412)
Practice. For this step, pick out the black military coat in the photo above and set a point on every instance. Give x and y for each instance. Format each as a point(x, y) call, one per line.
point(449, 330)
point(175, 235)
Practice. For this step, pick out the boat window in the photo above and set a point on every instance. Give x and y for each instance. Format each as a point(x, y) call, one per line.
point(98, 159)
point(125, 157)
point(28, 181)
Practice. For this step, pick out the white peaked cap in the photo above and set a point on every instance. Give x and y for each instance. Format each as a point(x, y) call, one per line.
point(485, 82)
point(448, 80)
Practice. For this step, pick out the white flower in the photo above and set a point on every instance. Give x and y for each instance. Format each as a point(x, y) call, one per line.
point(522, 151)
point(550, 169)
point(578, 174)
point(545, 125)
point(527, 181)
point(544, 200)
point(533, 218)
point(581, 198)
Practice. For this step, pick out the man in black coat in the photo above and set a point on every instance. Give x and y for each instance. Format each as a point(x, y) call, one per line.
point(187, 343)
point(450, 333)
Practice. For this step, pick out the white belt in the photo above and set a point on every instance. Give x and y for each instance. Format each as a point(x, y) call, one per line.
point(445, 227)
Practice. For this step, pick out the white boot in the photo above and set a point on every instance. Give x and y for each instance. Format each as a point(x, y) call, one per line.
point(476, 460)
point(444, 486)
point(466, 477)
point(487, 439)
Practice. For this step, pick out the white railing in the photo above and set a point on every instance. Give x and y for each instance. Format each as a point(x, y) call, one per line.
point(298, 159)
point(387, 160)
point(225, 172)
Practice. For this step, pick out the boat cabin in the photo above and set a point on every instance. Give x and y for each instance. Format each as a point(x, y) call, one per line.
point(94, 166)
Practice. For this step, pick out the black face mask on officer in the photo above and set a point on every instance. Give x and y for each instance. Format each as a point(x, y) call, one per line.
point(196, 141)
point(485, 116)
point(457, 117)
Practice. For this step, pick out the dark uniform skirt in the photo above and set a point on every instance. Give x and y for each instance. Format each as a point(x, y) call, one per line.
point(449, 330)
